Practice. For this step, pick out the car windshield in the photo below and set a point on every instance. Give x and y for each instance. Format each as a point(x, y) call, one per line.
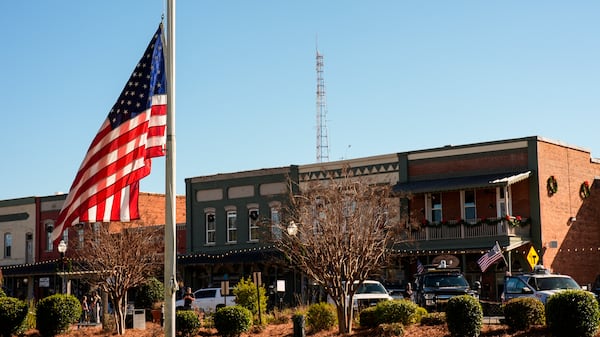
point(371, 288)
point(552, 283)
point(445, 281)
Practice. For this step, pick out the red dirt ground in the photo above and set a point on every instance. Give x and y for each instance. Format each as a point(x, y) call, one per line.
point(286, 330)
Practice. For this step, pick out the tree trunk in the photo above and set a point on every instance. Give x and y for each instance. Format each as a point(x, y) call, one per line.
point(120, 316)
point(344, 313)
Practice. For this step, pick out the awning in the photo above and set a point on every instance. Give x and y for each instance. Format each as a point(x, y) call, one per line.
point(461, 183)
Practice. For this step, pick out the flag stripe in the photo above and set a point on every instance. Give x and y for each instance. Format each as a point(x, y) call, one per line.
point(490, 257)
point(106, 186)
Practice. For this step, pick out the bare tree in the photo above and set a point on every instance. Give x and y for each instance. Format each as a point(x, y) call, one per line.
point(121, 259)
point(338, 232)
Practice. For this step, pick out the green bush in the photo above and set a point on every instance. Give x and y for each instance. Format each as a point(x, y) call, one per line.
point(2, 293)
point(187, 323)
point(524, 312)
point(368, 318)
point(55, 314)
point(572, 313)
point(321, 316)
point(464, 316)
point(246, 296)
point(434, 318)
point(12, 315)
point(152, 291)
point(232, 321)
point(397, 311)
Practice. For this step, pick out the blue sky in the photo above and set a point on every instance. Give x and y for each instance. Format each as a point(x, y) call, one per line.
point(399, 76)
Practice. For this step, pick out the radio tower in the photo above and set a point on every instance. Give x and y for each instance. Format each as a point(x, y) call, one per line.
point(322, 141)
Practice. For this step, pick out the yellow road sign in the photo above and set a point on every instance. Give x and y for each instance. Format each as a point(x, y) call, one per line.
point(532, 257)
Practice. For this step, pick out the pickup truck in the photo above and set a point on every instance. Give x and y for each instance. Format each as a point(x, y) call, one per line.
point(368, 294)
point(208, 300)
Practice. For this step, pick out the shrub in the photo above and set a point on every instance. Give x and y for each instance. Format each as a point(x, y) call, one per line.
point(2, 293)
point(232, 321)
point(397, 311)
point(246, 296)
point(524, 312)
point(464, 316)
point(187, 323)
point(12, 315)
point(56, 313)
point(152, 291)
point(434, 318)
point(572, 313)
point(390, 330)
point(321, 316)
point(368, 318)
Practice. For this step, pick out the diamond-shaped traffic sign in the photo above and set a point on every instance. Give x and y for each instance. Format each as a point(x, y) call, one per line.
point(532, 257)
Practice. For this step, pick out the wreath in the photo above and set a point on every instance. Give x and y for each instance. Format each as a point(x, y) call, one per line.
point(584, 190)
point(551, 185)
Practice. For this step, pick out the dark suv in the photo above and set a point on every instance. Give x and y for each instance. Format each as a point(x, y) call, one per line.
point(436, 286)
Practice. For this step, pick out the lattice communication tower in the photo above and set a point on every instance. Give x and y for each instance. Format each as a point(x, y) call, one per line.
point(322, 140)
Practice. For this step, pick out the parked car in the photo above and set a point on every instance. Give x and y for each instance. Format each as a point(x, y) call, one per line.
point(368, 294)
point(208, 300)
point(436, 285)
point(539, 284)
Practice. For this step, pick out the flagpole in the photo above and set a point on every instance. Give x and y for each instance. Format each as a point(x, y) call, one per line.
point(170, 278)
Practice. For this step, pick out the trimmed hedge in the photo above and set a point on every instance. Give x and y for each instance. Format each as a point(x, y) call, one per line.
point(524, 312)
point(232, 321)
point(573, 313)
point(56, 313)
point(187, 323)
point(397, 311)
point(464, 316)
point(12, 314)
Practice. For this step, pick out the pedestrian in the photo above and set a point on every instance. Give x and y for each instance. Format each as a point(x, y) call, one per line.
point(188, 299)
point(85, 306)
point(408, 292)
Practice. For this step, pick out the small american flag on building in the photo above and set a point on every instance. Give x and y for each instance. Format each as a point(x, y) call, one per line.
point(420, 267)
point(106, 186)
point(490, 257)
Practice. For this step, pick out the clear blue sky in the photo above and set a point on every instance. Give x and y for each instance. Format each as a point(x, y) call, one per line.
point(399, 76)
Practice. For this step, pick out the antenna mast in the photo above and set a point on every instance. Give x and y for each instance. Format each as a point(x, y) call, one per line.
point(322, 140)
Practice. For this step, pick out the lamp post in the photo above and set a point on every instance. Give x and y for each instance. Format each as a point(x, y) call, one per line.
point(62, 248)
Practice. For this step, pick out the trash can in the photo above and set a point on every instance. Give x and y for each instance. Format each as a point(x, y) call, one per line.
point(135, 319)
point(299, 329)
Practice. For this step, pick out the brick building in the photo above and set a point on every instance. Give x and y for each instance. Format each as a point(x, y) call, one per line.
point(458, 201)
point(33, 266)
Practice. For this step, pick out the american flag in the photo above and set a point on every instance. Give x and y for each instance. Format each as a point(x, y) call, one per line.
point(420, 267)
point(106, 186)
point(490, 257)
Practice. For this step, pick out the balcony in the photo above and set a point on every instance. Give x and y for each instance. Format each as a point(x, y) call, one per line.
point(472, 229)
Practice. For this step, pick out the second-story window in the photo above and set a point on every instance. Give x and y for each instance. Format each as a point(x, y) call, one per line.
point(253, 224)
point(275, 223)
point(470, 211)
point(434, 202)
point(231, 226)
point(7, 245)
point(49, 228)
point(80, 237)
point(211, 229)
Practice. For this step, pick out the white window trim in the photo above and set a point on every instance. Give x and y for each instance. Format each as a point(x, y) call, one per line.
point(253, 224)
point(507, 201)
point(463, 213)
point(231, 214)
point(429, 206)
point(213, 230)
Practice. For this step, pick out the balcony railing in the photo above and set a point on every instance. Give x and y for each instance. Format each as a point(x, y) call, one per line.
point(466, 230)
